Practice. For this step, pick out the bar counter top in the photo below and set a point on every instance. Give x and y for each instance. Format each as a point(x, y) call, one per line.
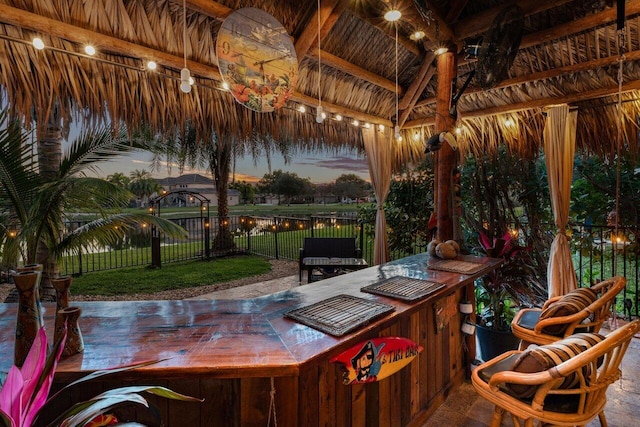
point(228, 338)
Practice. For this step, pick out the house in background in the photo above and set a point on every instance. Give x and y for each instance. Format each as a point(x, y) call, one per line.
point(196, 183)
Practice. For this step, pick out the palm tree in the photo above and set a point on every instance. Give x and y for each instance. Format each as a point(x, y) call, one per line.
point(119, 179)
point(143, 185)
point(37, 205)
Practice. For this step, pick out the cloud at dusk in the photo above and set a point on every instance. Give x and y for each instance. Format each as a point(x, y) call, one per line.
point(344, 164)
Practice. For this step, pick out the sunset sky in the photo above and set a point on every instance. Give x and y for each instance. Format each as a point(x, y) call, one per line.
point(317, 167)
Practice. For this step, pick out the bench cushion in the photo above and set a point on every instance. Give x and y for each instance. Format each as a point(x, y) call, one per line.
point(538, 359)
point(571, 303)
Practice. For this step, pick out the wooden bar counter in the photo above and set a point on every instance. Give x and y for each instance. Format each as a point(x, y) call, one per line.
point(227, 352)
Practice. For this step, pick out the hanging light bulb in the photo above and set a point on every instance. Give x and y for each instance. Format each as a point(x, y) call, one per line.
point(320, 115)
point(152, 65)
point(396, 132)
point(338, 117)
point(185, 76)
point(89, 50)
point(38, 43)
point(302, 109)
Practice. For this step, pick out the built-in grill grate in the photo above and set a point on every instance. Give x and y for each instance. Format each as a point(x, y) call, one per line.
point(340, 314)
point(404, 288)
point(455, 266)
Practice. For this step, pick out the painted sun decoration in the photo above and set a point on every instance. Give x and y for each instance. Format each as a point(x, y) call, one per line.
point(257, 59)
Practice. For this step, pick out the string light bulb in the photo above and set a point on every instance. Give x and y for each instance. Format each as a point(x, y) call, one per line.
point(38, 43)
point(89, 50)
point(185, 76)
point(152, 65)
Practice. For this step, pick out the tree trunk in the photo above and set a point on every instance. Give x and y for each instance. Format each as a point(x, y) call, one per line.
point(220, 164)
point(49, 157)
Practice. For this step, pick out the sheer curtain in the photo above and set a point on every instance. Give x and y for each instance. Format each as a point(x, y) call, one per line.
point(378, 147)
point(559, 149)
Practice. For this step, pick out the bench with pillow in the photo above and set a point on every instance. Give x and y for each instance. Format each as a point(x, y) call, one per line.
point(581, 310)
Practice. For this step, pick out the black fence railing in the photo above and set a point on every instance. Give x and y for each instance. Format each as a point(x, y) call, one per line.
point(599, 252)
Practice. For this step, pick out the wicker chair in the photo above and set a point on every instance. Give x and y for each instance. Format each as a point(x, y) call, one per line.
point(593, 370)
point(530, 329)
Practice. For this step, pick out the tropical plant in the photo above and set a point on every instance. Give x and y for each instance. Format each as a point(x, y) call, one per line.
point(515, 283)
point(25, 391)
point(36, 208)
point(142, 184)
point(406, 209)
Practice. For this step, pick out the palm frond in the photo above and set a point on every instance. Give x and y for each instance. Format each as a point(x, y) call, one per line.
point(97, 144)
point(18, 176)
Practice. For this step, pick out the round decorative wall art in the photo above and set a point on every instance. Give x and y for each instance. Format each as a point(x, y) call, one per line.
point(257, 59)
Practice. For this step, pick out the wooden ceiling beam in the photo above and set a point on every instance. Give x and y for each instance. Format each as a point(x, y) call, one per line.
point(438, 31)
point(632, 7)
point(310, 33)
point(424, 76)
point(556, 72)
point(478, 24)
point(353, 70)
point(209, 8)
point(536, 103)
point(34, 22)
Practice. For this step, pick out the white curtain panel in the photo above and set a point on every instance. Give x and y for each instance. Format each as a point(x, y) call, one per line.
point(378, 147)
point(559, 150)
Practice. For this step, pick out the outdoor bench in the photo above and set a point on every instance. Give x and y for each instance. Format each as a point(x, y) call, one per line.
point(330, 254)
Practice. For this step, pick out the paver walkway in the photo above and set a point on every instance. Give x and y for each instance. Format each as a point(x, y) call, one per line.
point(254, 290)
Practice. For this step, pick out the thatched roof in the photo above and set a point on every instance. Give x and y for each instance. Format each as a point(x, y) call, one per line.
point(568, 54)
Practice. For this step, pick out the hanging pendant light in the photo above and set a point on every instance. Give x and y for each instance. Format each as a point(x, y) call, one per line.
point(320, 115)
point(185, 74)
point(396, 129)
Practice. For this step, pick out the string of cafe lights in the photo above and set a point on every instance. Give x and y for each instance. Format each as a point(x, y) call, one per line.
point(89, 52)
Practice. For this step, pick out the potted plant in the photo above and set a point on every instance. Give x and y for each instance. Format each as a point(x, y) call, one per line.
point(501, 292)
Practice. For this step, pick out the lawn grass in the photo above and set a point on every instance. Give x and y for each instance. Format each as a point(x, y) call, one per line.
point(251, 210)
point(126, 281)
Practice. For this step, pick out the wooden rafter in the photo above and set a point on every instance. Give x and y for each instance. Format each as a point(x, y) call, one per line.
point(427, 70)
point(479, 23)
point(349, 68)
point(310, 33)
point(605, 17)
point(536, 103)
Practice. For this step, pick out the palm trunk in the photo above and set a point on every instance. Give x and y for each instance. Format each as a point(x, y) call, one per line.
point(220, 165)
point(49, 157)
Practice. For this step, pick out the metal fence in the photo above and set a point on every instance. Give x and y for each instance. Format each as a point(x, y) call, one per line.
point(599, 252)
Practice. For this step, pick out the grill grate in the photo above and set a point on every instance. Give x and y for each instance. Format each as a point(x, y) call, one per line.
point(404, 288)
point(455, 266)
point(340, 314)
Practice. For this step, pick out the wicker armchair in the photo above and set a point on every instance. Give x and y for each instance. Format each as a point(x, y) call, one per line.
point(591, 371)
point(532, 327)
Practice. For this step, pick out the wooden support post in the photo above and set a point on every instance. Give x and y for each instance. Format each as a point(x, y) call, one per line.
point(445, 157)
